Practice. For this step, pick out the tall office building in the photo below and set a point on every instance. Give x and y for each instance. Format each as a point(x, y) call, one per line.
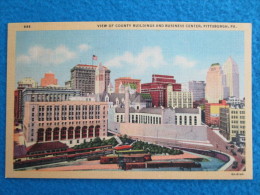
point(179, 99)
point(84, 77)
point(49, 79)
point(158, 88)
point(26, 82)
point(197, 88)
point(215, 85)
point(231, 76)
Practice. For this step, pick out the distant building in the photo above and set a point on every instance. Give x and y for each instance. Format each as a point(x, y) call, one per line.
point(90, 78)
point(178, 99)
point(197, 88)
point(70, 122)
point(100, 79)
point(110, 88)
point(26, 82)
point(212, 112)
point(233, 101)
point(232, 122)
point(49, 79)
point(231, 76)
point(215, 84)
point(158, 88)
point(131, 87)
point(123, 81)
point(68, 84)
point(137, 100)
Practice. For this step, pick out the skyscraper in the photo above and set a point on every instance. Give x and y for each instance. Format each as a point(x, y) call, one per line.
point(49, 79)
point(158, 88)
point(215, 89)
point(100, 84)
point(196, 87)
point(84, 77)
point(231, 76)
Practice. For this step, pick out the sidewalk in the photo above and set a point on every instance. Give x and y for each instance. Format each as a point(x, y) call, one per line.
point(221, 136)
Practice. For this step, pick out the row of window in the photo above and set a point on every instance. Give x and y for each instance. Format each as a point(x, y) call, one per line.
point(69, 123)
point(140, 119)
point(237, 126)
point(237, 112)
point(185, 120)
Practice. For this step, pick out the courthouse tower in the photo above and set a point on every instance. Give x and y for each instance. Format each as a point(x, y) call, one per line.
point(127, 104)
point(214, 84)
point(100, 84)
point(231, 76)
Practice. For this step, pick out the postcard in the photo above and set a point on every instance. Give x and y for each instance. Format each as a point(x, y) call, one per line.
point(129, 100)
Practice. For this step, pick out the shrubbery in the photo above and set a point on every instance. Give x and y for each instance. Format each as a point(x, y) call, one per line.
point(97, 142)
point(126, 140)
point(155, 149)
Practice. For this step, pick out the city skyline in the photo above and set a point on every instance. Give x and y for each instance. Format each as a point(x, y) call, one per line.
point(137, 54)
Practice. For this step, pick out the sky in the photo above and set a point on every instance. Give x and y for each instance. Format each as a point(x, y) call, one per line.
point(186, 55)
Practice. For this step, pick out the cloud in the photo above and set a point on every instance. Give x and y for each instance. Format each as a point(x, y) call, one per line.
point(45, 56)
point(183, 62)
point(84, 47)
point(149, 57)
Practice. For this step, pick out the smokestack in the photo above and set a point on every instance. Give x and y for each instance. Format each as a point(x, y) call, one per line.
point(126, 104)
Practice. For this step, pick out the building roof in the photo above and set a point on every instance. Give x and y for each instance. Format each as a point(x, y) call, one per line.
point(187, 110)
point(46, 146)
point(122, 110)
point(123, 147)
point(19, 151)
point(134, 98)
point(215, 64)
point(146, 96)
point(127, 78)
point(157, 110)
point(88, 66)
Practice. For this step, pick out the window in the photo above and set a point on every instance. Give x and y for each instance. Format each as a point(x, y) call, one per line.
point(195, 120)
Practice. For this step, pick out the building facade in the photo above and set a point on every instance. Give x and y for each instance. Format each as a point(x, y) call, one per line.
point(231, 76)
point(212, 112)
point(188, 116)
point(233, 122)
point(84, 77)
point(134, 83)
point(215, 90)
point(179, 99)
point(70, 122)
point(18, 97)
point(49, 79)
point(27, 82)
point(47, 94)
point(145, 116)
point(158, 88)
point(233, 101)
point(197, 88)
